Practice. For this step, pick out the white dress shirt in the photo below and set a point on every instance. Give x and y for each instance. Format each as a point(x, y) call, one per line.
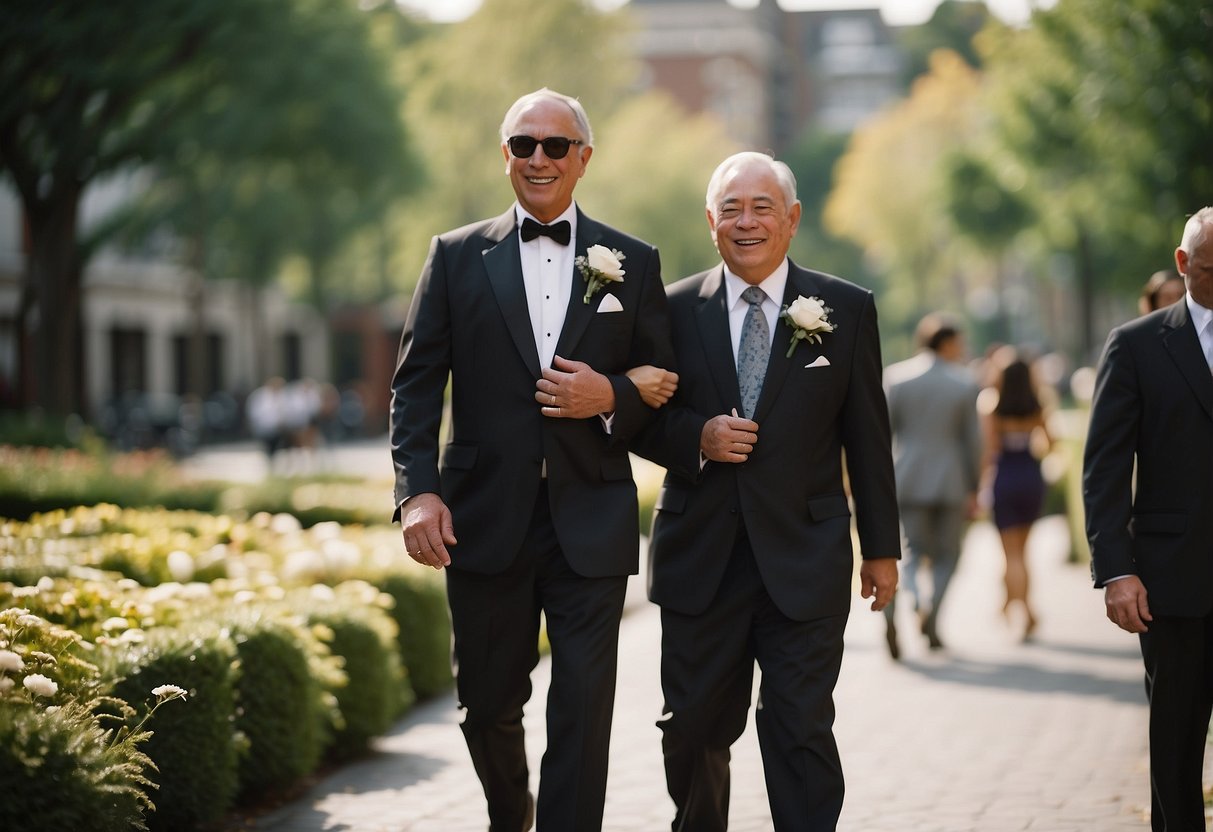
point(547, 272)
point(1202, 319)
point(773, 286)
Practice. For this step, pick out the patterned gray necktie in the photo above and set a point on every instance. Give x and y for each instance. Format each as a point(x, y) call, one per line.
point(753, 351)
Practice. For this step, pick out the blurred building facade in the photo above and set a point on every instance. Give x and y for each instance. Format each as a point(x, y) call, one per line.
point(769, 75)
point(141, 314)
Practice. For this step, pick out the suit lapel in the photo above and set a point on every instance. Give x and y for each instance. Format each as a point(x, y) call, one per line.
point(504, 266)
point(1183, 345)
point(579, 314)
point(712, 316)
point(779, 363)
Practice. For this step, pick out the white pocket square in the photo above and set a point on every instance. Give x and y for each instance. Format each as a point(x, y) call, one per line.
point(820, 361)
point(610, 303)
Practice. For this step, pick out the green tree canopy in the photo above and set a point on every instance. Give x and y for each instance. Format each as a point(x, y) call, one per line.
point(1109, 109)
point(87, 89)
point(651, 160)
point(953, 25)
point(889, 196)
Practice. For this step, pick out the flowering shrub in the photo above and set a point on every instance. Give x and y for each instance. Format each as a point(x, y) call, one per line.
point(40, 479)
point(288, 642)
point(69, 756)
point(423, 625)
point(353, 622)
point(284, 699)
point(194, 748)
point(168, 549)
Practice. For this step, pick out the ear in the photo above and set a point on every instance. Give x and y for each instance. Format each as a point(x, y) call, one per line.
point(794, 216)
point(586, 153)
point(505, 151)
point(1181, 262)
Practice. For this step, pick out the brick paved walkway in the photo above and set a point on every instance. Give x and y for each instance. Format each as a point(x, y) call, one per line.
point(987, 735)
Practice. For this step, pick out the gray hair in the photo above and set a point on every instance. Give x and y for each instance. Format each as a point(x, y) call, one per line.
point(545, 94)
point(1196, 230)
point(783, 175)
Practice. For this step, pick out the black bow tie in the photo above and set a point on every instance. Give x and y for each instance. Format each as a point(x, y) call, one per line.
point(558, 231)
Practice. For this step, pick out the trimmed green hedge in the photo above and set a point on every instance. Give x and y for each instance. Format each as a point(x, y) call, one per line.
point(423, 625)
point(282, 707)
point(194, 746)
point(291, 645)
point(374, 692)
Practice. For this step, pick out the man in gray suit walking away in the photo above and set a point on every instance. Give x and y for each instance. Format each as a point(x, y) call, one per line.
point(937, 462)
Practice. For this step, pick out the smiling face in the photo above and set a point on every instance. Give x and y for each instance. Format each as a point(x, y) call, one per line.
point(544, 186)
point(752, 224)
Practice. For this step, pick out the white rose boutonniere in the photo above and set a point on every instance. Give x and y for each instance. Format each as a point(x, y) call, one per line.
point(807, 317)
point(599, 266)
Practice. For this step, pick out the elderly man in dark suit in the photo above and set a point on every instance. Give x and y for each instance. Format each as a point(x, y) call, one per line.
point(534, 317)
point(1152, 544)
point(751, 556)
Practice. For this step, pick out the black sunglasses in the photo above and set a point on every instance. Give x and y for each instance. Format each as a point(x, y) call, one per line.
point(554, 147)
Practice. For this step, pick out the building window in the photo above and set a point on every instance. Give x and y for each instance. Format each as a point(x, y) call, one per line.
point(128, 361)
point(212, 369)
point(292, 356)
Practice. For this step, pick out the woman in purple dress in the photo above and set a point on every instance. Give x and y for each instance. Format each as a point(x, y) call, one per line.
point(1013, 420)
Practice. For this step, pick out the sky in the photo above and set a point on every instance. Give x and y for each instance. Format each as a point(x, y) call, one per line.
point(895, 12)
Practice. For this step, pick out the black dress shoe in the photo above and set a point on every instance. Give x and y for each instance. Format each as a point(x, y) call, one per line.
point(890, 636)
point(929, 630)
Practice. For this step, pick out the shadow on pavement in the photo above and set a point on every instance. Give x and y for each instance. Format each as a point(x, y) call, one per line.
point(1029, 678)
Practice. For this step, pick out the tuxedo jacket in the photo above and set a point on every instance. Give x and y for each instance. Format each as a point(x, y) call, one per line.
point(936, 431)
point(821, 401)
point(1153, 405)
point(469, 323)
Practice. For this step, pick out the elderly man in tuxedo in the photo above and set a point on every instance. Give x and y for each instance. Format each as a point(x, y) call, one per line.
point(1152, 544)
point(534, 317)
point(937, 460)
point(751, 555)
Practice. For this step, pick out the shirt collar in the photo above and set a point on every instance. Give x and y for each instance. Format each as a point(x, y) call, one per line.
point(569, 214)
point(1202, 317)
point(773, 284)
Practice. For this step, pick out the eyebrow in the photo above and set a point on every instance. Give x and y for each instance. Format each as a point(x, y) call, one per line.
point(733, 200)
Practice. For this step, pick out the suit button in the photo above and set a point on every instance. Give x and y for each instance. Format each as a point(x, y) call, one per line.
point(732, 509)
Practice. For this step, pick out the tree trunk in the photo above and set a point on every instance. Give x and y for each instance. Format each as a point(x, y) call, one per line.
point(1085, 270)
point(55, 273)
point(26, 390)
point(197, 355)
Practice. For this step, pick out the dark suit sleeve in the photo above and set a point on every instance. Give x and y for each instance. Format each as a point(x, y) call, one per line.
point(650, 345)
point(419, 383)
point(866, 440)
point(672, 440)
point(1108, 462)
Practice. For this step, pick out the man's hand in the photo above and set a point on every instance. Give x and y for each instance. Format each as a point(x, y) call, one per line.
point(574, 390)
point(878, 576)
point(654, 384)
point(428, 530)
point(1125, 599)
point(728, 438)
